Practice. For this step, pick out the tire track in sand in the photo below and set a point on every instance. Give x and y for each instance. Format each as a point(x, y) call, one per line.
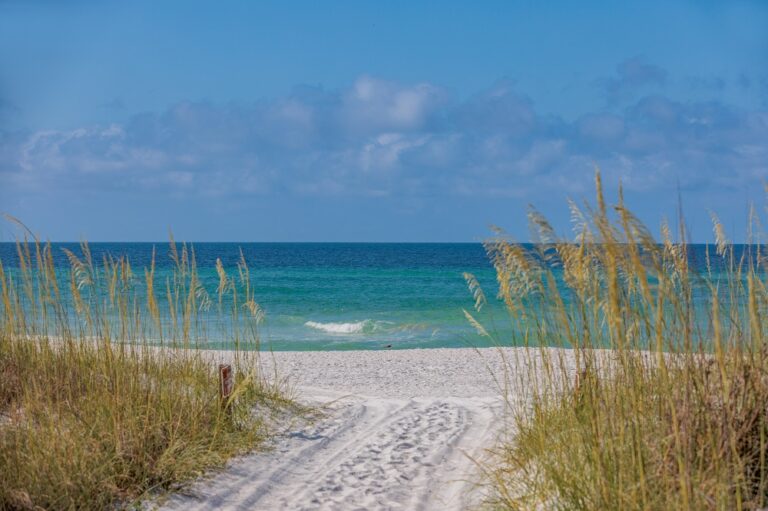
point(369, 453)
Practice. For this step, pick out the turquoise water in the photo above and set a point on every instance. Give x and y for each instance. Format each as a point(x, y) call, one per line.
point(335, 295)
point(329, 296)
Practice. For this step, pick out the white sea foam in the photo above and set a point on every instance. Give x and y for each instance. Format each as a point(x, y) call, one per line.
point(341, 328)
point(367, 326)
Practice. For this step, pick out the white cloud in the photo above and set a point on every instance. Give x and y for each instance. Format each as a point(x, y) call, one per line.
point(382, 138)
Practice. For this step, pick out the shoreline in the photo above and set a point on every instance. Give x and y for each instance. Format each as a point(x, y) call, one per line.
point(404, 373)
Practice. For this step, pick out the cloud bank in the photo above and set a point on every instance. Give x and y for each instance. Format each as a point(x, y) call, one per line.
point(377, 138)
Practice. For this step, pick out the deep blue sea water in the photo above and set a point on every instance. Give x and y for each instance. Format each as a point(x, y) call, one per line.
point(341, 295)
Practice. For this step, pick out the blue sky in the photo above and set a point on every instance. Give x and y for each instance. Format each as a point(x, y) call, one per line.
point(385, 121)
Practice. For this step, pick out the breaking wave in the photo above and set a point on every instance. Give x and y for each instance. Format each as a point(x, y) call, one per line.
point(343, 328)
point(367, 326)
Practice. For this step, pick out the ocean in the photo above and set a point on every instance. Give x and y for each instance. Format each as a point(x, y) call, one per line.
point(341, 296)
point(334, 296)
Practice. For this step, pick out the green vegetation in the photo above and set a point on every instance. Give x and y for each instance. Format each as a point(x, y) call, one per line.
point(675, 414)
point(99, 403)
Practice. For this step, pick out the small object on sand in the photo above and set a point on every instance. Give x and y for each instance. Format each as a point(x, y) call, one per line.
point(225, 384)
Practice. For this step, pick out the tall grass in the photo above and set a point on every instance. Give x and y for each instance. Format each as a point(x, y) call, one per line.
point(100, 404)
point(643, 383)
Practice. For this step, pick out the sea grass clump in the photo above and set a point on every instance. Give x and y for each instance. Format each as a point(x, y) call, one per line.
point(658, 399)
point(102, 401)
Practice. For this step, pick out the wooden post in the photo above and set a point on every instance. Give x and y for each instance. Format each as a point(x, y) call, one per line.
point(225, 384)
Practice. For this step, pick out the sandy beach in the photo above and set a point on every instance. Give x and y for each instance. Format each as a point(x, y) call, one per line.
point(401, 431)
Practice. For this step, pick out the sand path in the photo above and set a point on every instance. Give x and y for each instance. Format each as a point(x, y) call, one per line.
point(398, 433)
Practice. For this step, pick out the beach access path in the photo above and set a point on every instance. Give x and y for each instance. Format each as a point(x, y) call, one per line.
point(401, 429)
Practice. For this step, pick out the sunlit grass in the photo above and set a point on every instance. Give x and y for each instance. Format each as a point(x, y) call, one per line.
point(674, 414)
point(100, 402)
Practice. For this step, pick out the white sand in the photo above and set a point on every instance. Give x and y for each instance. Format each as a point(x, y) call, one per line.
point(399, 433)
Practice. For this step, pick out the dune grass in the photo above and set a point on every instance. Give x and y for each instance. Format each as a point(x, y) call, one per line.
point(674, 414)
point(101, 403)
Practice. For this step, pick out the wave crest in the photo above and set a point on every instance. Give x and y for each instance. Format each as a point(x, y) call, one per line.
point(342, 328)
point(368, 326)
